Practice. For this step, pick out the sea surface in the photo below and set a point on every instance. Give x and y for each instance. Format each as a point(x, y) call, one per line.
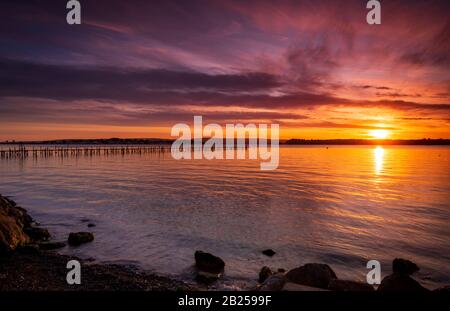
point(340, 205)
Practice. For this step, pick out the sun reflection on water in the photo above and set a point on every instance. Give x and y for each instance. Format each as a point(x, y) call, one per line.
point(379, 158)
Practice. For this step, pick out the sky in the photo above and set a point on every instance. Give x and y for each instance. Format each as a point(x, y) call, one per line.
point(136, 68)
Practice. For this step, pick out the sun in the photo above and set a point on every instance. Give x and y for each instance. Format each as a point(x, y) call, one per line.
point(379, 134)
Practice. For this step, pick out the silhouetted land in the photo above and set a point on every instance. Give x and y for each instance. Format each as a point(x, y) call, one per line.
point(367, 142)
point(108, 141)
point(153, 141)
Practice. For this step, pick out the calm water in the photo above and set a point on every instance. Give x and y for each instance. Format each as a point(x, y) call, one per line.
point(342, 206)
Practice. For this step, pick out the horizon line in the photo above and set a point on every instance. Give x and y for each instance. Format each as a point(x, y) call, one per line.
point(290, 141)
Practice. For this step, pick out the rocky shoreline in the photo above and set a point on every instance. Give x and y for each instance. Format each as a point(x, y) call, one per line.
point(23, 270)
point(28, 263)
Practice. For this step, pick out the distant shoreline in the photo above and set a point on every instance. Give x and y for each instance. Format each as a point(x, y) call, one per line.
point(370, 142)
point(153, 141)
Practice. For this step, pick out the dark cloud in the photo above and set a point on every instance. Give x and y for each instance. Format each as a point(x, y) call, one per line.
point(396, 94)
point(163, 87)
point(402, 105)
point(375, 87)
point(327, 124)
point(115, 114)
point(73, 82)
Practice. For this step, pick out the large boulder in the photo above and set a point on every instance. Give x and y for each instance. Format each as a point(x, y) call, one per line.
point(400, 280)
point(78, 238)
point(312, 274)
point(208, 262)
point(12, 222)
point(268, 252)
point(349, 286)
point(397, 282)
point(404, 266)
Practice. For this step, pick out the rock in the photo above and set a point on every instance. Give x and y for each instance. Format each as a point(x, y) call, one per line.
point(312, 274)
point(91, 225)
point(207, 277)
point(293, 287)
point(37, 234)
point(274, 283)
point(12, 222)
point(21, 215)
point(400, 282)
point(349, 286)
point(79, 238)
point(208, 262)
point(269, 252)
point(404, 266)
point(281, 270)
point(46, 246)
point(8, 201)
point(264, 274)
point(11, 234)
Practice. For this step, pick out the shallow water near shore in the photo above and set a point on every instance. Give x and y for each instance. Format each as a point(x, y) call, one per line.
point(342, 205)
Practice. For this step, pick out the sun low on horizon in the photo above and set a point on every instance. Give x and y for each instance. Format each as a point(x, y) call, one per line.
point(379, 134)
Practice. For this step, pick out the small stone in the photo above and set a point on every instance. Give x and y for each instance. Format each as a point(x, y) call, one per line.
point(79, 238)
point(264, 274)
point(208, 262)
point(269, 252)
point(51, 245)
point(91, 225)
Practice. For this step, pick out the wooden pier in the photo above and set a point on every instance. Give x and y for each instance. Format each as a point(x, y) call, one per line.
point(22, 152)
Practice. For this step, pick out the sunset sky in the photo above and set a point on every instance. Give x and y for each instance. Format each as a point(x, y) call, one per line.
point(136, 68)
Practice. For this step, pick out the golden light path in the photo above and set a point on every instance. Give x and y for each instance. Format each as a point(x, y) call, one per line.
point(379, 158)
